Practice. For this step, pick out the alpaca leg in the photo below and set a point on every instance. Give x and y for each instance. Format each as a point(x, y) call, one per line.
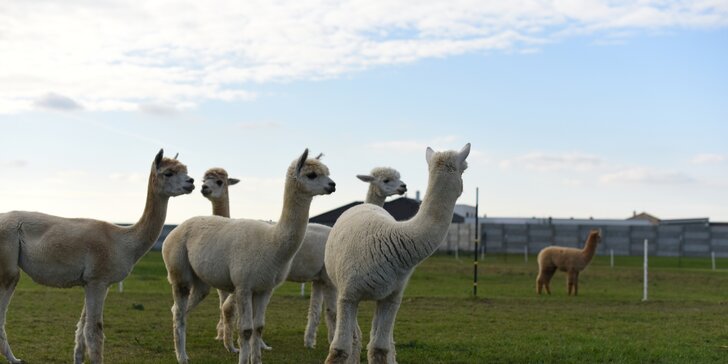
point(80, 348)
point(244, 307)
point(357, 338)
point(539, 283)
point(198, 293)
point(181, 295)
point(381, 344)
point(314, 314)
point(222, 295)
point(260, 304)
point(340, 348)
point(228, 313)
point(330, 309)
point(576, 283)
point(6, 293)
point(545, 277)
point(93, 330)
point(570, 281)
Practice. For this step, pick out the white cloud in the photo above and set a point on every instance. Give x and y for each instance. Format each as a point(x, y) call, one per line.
point(708, 158)
point(258, 125)
point(641, 175)
point(128, 177)
point(120, 55)
point(18, 163)
point(549, 162)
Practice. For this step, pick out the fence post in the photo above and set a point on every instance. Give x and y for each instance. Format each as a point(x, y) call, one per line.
point(611, 258)
point(712, 258)
point(121, 286)
point(644, 291)
point(303, 289)
point(525, 254)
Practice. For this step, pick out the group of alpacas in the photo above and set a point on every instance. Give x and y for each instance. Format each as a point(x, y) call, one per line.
point(367, 255)
point(308, 263)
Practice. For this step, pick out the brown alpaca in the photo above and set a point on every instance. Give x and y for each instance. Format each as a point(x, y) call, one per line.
point(569, 260)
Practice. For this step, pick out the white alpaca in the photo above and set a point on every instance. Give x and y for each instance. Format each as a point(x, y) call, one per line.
point(246, 257)
point(308, 264)
point(370, 256)
point(215, 185)
point(61, 252)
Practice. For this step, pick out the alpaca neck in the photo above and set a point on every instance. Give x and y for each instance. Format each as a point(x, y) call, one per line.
point(221, 207)
point(429, 226)
point(291, 227)
point(589, 249)
point(146, 231)
point(373, 196)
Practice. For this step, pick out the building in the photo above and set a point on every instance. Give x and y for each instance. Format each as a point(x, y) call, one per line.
point(401, 209)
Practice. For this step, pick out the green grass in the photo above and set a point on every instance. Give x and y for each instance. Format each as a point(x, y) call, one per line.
point(685, 320)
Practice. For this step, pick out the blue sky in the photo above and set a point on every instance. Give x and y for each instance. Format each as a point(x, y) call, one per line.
point(571, 111)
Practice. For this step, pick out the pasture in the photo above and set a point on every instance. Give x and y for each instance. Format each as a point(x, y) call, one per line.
point(685, 320)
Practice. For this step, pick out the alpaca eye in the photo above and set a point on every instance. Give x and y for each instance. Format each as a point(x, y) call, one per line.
point(311, 175)
point(169, 173)
point(386, 181)
point(219, 183)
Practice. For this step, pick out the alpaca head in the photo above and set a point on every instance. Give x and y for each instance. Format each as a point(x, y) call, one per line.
point(595, 235)
point(170, 176)
point(449, 163)
point(215, 184)
point(385, 180)
point(311, 176)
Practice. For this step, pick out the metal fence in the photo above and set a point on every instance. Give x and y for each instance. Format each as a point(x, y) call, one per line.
point(697, 240)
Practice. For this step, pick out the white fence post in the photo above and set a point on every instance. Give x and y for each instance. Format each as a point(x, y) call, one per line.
point(712, 258)
point(121, 286)
point(644, 292)
point(611, 258)
point(303, 289)
point(525, 253)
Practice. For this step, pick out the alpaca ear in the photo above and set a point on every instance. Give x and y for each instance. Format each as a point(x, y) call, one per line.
point(232, 181)
point(428, 154)
point(463, 153)
point(301, 161)
point(365, 177)
point(158, 159)
point(175, 156)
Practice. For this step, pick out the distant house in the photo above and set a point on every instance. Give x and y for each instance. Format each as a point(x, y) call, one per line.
point(401, 209)
point(645, 217)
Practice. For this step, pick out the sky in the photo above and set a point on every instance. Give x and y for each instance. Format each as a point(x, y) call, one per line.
point(573, 108)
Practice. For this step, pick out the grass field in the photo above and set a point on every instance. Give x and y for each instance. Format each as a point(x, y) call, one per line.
point(685, 320)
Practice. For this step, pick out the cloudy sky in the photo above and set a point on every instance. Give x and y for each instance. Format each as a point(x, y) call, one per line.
point(574, 108)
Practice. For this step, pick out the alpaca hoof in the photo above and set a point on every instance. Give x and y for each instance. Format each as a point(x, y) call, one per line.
point(378, 356)
point(265, 346)
point(232, 349)
point(337, 356)
point(309, 343)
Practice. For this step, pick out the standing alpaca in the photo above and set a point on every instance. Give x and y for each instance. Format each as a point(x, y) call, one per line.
point(569, 260)
point(61, 252)
point(215, 185)
point(246, 257)
point(370, 256)
point(308, 264)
